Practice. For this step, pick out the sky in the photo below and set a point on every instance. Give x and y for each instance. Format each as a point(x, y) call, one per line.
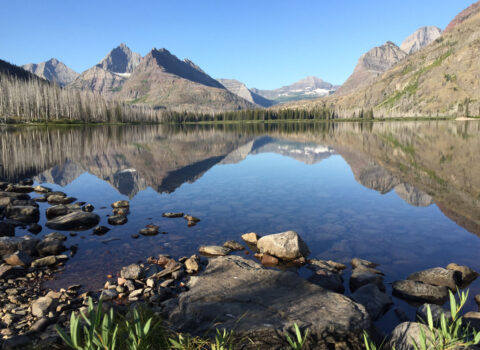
point(264, 43)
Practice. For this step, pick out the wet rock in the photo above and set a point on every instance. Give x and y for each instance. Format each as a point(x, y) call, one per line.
point(365, 269)
point(88, 208)
point(40, 325)
point(74, 221)
point(18, 259)
point(7, 271)
point(263, 304)
point(108, 294)
point(50, 247)
point(405, 334)
point(58, 199)
point(26, 244)
point(251, 238)
point(149, 231)
point(132, 272)
point(117, 220)
point(359, 279)
point(436, 310)
point(46, 261)
point(191, 218)
point(121, 211)
point(19, 188)
point(401, 315)
point(14, 195)
point(268, 260)
point(25, 214)
point(6, 230)
point(477, 300)
point(24, 203)
point(468, 275)
point(58, 210)
point(35, 228)
point(55, 236)
point(328, 280)
point(135, 235)
point(121, 204)
point(473, 319)
point(233, 245)
point(100, 230)
point(214, 250)
point(421, 292)
point(192, 264)
point(172, 215)
point(332, 266)
point(42, 189)
point(375, 301)
point(356, 262)
point(43, 305)
point(285, 245)
point(438, 276)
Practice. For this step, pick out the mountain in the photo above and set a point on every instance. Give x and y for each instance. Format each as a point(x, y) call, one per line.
point(52, 70)
point(440, 80)
point(109, 75)
point(307, 88)
point(8, 69)
point(371, 65)
point(463, 16)
point(420, 38)
point(240, 89)
point(164, 81)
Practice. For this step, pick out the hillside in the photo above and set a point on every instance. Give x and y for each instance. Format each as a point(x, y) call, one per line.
point(164, 81)
point(442, 79)
point(240, 89)
point(11, 70)
point(52, 70)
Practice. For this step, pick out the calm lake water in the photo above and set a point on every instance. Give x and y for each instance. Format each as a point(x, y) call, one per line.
point(403, 194)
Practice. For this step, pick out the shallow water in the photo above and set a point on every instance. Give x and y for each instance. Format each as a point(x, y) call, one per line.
point(403, 194)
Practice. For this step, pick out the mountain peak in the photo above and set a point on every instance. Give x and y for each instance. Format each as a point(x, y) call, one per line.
point(120, 60)
point(52, 70)
point(420, 38)
point(463, 16)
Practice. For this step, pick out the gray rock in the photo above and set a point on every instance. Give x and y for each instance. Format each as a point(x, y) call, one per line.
point(421, 292)
point(42, 189)
point(328, 280)
point(78, 220)
point(436, 310)
point(46, 261)
point(6, 230)
point(7, 271)
point(117, 220)
point(262, 304)
point(213, 250)
point(14, 195)
point(375, 301)
point(59, 199)
point(472, 319)
point(360, 278)
point(133, 272)
point(332, 266)
point(100, 230)
point(58, 210)
point(121, 204)
point(108, 294)
point(468, 274)
point(438, 276)
point(43, 305)
point(251, 238)
point(285, 245)
point(405, 334)
point(192, 264)
point(35, 228)
point(26, 244)
point(25, 214)
point(233, 245)
point(88, 208)
point(172, 215)
point(18, 259)
point(50, 247)
point(356, 262)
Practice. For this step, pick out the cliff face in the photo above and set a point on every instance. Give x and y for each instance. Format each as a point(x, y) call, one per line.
point(52, 70)
point(463, 16)
point(240, 89)
point(420, 38)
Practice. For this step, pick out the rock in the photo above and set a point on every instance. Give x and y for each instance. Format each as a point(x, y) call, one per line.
point(365, 269)
point(42, 306)
point(108, 294)
point(6, 230)
point(100, 230)
point(35, 229)
point(437, 312)
point(121, 204)
point(42, 189)
point(58, 210)
point(356, 262)
point(285, 245)
point(121, 211)
point(55, 236)
point(268, 260)
point(136, 293)
point(74, 221)
point(9, 245)
point(233, 245)
point(438, 276)
point(18, 259)
point(332, 266)
point(58, 199)
point(25, 214)
point(359, 279)
point(251, 238)
point(405, 334)
point(117, 220)
point(477, 300)
point(190, 218)
point(214, 250)
point(40, 325)
point(149, 231)
point(135, 235)
point(401, 315)
point(14, 195)
point(192, 264)
point(7, 271)
point(50, 247)
point(375, 301)
point(88, 208)
point(468, 275)
point(421, 292)
point(172, 215)
point(262, 304)
point(472, 319)
point(19, 189)
point(328, 280)
point(46, 261)
point(132, 272)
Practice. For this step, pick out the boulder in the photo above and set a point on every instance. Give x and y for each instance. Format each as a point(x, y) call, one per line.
point(100, 230)
point(468, 275)
point(14, 195)
point(58, 210)
point(121, 204)
point(263, 304)
point(18, 259)
point(43, 305)
point(88, 208)
point(436, 310)
point(191, 218)
point(55, 236)
point(405, 334)
point(59, 199)
point(421, 292)
point(269, 260)
point(233, 245)
point(356, 262)
point(42, 189)
point(251, 238)
point(50, 247)
point(285, 245)
point(35, 228)
point(172, 215)
point(132, 272)
point(360, 278)
point(214, 250)
point(332, 266)
point(375, 301)
point(25, 214)
point(472, 319)
point(6, 229)
point(8, 271)
point(46, 261)
point(78, 220)
point(438, 276)
point(26, 244)
point(117, 220)
point(192, 264)
point(149, 231)
point(328, 280)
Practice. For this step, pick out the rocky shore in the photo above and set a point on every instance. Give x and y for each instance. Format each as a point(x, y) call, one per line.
point(251, 287)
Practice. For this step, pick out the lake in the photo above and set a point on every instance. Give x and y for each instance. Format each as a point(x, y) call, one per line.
point(403, 194)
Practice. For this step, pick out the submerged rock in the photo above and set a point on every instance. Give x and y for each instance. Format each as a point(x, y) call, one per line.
point(78, 220)
point(24, 214)
point(328, 280)
point(285, 245)
point(233, 245)
point(375, 301)
point(121, 204)
point(263, 304)
point(172, 215)
point(117, 220)
point(438, 276)
point(421, 292)
point(100, 230)
point(360, 278)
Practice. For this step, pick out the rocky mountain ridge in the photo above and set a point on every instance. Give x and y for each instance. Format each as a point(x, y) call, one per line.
point(52, 70)
point(240, 89)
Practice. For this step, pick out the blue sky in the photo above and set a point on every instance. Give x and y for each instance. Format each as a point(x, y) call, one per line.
point(264, 43)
